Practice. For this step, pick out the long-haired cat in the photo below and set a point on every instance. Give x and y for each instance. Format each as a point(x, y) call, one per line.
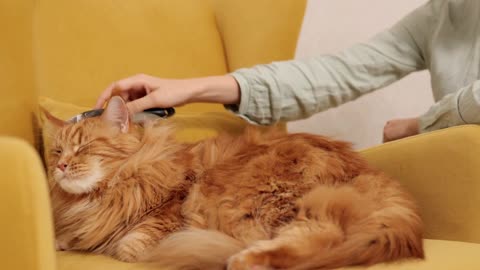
point(256, 201)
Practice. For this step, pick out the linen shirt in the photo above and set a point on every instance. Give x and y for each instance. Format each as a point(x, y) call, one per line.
point(442, 36)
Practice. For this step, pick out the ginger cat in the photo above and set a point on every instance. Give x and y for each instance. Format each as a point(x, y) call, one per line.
point(256, 201)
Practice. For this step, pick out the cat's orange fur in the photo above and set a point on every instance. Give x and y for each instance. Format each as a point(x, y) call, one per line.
point(270, 201)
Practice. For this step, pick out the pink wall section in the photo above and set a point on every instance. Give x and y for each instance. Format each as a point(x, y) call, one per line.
point(331, 25)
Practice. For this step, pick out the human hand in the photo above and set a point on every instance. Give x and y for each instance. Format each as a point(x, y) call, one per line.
point(400, 128)
point(143, 92)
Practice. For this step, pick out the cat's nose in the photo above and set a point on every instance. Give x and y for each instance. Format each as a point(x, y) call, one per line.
point(62, 166)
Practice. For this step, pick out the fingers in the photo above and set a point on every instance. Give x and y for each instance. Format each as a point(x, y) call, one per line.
point(141, 104)
point(385, 137)
point(106, 94)
point(123, 87)
point(136, 82)
point(387, 131)
point(400, 128)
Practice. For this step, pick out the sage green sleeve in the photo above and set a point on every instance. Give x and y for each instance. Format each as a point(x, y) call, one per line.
point(458, 108)
point(289, 90)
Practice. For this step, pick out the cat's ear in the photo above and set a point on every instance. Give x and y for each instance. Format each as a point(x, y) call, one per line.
point(116, 113)
point(52, 120)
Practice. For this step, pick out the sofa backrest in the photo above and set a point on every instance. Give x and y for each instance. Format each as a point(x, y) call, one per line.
point(82, 46)
point(71, 50)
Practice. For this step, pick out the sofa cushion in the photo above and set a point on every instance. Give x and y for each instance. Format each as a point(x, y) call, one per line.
point(439, 255)
point(190, 126)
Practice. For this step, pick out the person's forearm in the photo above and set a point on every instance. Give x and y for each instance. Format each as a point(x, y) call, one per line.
point(216, 89)
point(290, 90)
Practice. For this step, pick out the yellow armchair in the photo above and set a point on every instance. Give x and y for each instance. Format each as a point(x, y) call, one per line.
point(70, 50)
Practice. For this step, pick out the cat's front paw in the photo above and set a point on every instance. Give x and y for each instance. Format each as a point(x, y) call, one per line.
point(124, 256)
point(248, 260)
point(60, 245)
point(128, 252)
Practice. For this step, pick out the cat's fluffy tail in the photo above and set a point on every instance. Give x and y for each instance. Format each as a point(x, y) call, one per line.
point(195, 249)
point(366, 248)
point(389, 234)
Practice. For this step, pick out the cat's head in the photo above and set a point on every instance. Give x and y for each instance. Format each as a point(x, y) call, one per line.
point(83, 154)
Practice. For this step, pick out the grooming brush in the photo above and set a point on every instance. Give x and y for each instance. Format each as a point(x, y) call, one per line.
point(138, 117)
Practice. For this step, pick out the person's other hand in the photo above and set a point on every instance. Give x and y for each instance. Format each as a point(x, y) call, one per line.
point(400, 128)
point(143, 92)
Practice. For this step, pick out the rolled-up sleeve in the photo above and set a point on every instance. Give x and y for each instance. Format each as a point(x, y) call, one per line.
point(458, 108)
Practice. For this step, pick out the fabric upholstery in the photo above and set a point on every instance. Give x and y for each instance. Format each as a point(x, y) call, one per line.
point(440, 255)
point(257, 32)
point(82, 46)
point(26, 226)
point(16, 69)
point(442, 171)
point(68, 51)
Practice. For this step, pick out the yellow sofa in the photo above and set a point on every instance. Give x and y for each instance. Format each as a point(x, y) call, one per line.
point(71, 50)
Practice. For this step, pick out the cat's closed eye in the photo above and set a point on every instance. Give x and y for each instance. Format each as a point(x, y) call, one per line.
point(83, 147)
point(57, 150)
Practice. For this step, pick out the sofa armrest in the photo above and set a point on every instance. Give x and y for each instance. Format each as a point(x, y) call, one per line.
point(26, 227)
point(442, 170)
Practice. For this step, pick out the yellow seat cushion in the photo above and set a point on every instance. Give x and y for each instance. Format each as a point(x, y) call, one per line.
point(440, 255)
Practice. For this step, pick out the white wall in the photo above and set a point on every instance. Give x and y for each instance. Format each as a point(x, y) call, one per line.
point(331, 25)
